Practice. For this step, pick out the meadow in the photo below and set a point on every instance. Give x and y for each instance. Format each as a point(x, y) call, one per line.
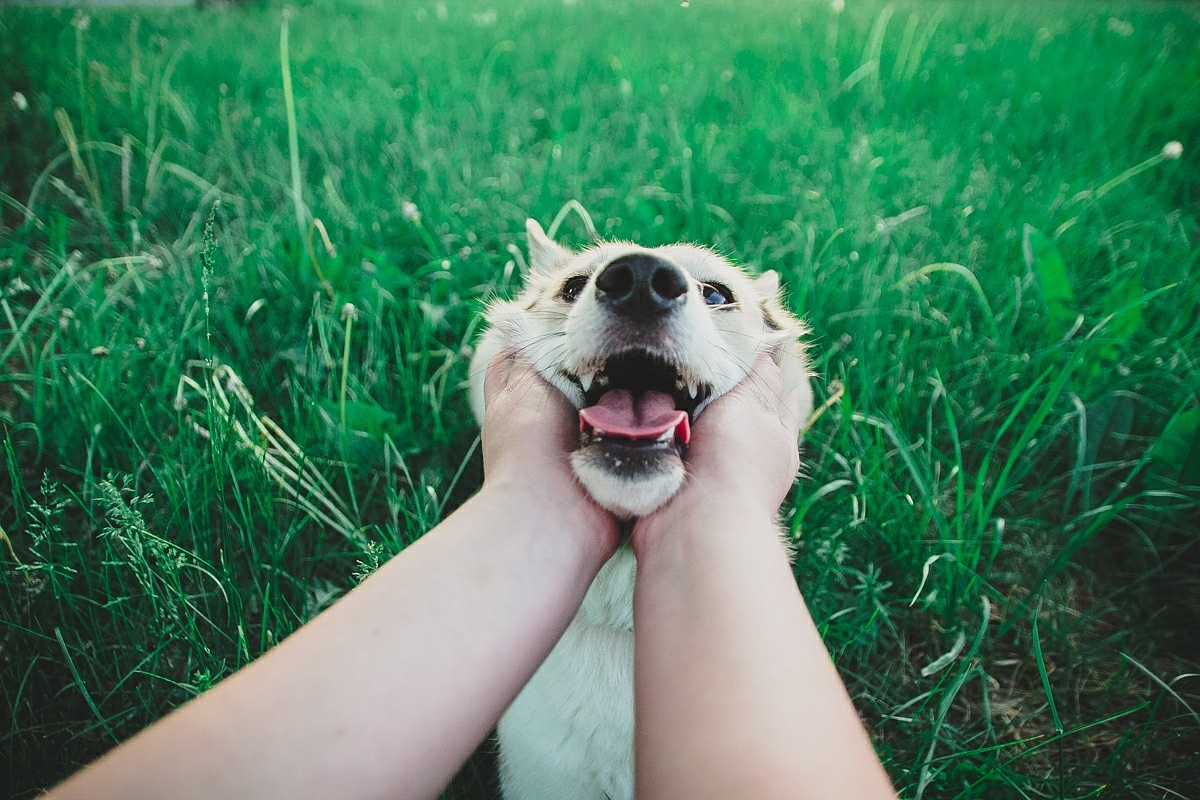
point(243, 256)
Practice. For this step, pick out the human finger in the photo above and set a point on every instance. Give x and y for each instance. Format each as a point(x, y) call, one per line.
point(498, 371)
point(765, 382)
point(507, 368)
point(791, 405)
point(512, 379)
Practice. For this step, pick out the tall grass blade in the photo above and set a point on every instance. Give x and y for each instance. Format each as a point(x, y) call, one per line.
point(1045, 678)
point(289, 102)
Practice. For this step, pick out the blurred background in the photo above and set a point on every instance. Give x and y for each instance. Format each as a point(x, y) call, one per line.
point(244, 249)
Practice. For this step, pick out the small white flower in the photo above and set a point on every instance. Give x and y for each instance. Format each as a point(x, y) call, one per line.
point(100, 351)
point(349, 311)
point(410, 212)
point(1172, 150)
point(19, 101)
point(255, 307)
point(1120, 27)
point(837, 6)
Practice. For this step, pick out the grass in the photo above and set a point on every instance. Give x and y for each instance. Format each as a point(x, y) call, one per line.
point(213, 422)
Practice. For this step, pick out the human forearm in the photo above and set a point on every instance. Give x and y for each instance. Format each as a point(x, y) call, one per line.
point(730, 670)
point(386, 693)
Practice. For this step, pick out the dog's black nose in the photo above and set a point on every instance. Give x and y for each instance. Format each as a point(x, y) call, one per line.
point(641, 285)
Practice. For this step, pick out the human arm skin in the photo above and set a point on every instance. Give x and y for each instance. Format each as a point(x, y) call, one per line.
point(386, 693)
point(735, 694)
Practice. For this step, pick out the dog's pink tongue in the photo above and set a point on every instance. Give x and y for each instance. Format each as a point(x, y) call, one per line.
point(648, 417)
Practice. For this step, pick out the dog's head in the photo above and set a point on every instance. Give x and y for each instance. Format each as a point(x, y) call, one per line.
point(640, 340)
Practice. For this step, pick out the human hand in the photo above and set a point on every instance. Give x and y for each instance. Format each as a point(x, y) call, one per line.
point(748, 437)
point(529, 431)
point(743, 449)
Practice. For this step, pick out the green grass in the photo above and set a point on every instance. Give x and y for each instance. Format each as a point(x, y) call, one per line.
point(200, 448)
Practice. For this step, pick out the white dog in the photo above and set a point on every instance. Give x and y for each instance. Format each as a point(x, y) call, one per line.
point(640, 340)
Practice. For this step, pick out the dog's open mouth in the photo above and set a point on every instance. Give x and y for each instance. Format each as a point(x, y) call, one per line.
point(638, 400)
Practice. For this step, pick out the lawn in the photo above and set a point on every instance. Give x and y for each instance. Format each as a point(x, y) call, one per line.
point(244, 252)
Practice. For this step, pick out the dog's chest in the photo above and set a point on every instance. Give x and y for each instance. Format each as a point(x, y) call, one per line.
point(609, 600)
point(569, 734)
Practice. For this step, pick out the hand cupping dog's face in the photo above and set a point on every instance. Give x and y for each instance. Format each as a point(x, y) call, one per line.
point(746, 442)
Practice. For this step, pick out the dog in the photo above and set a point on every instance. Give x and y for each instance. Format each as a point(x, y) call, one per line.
point(641, 341)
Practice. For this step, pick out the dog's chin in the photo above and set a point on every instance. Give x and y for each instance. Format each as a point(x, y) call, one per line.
point(629, 480)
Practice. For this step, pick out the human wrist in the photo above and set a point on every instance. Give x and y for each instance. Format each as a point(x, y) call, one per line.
point(555, 507)
point(699, 510)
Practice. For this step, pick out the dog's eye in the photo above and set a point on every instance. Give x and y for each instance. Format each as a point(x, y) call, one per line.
point(715, 294)
point(572, 288)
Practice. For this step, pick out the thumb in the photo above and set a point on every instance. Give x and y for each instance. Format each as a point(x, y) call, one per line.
point(792, 405)
point(499, 369)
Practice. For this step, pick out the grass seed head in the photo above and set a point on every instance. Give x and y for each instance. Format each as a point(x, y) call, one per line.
point(1172, 150)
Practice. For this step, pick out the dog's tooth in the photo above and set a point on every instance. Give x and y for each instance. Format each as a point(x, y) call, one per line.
point(693, 388)
point(602, 380)
point(585, 380)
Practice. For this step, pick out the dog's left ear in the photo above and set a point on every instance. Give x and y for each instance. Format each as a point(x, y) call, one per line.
point(544, 253)
point(767, 284)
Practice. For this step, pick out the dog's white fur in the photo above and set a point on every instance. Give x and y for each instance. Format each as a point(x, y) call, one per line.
point(569, 734)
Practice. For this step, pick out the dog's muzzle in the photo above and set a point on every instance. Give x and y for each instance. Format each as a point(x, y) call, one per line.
point(637, 399)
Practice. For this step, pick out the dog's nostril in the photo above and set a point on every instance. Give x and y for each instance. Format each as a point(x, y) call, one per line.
point(616, 280)
point(668, 283)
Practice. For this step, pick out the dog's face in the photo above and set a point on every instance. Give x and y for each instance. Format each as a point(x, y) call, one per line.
point(640, 340)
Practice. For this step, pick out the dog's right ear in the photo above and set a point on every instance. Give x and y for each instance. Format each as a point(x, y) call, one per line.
point(544, 253)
